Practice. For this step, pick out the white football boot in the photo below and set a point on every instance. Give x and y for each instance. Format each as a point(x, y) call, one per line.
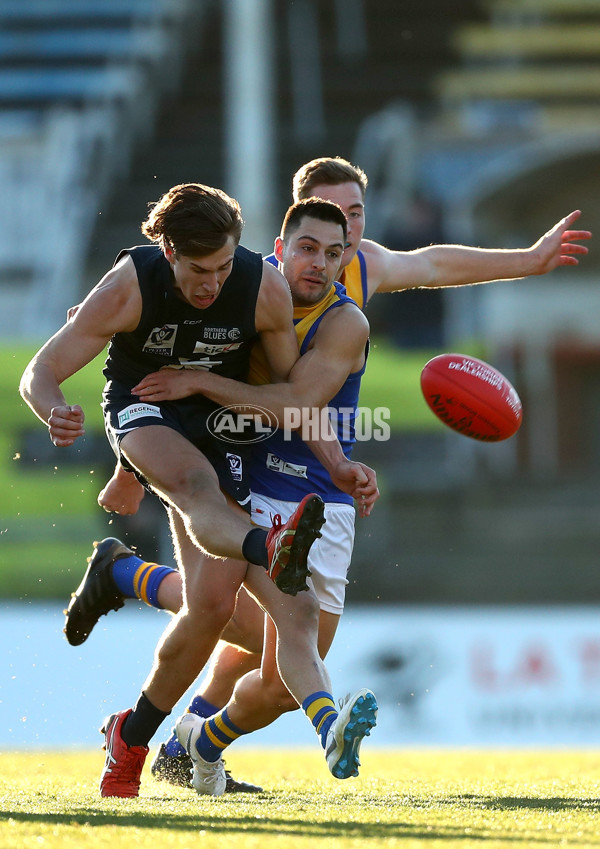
point(357, 716)
point(208, 777)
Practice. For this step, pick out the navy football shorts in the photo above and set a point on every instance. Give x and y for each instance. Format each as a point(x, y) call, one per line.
point(124, 412)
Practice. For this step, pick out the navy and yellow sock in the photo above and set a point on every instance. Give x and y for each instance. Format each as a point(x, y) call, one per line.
point(136, 578)
point(320, 709)
point(217, 733)
point(200, 707)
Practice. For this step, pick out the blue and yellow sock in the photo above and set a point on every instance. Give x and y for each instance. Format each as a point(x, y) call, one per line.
point(136, 578)
point(200, 707)
point(320, 709)
point(217, 733)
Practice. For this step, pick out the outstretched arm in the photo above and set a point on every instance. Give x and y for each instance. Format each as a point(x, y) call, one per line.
point(457, 265)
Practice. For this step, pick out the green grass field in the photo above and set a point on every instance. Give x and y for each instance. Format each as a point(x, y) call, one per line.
point(48, 511)
point(403, 798)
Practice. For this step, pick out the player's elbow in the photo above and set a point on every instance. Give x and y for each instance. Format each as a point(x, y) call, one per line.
point(37, 375)
point(25, 384)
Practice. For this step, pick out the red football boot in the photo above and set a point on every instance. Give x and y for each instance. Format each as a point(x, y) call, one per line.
point(288, 545)
point(124, 764)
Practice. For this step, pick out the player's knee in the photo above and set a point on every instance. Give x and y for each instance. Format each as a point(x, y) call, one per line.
point(213, 615)
point(219, 614)
point(188, 487)
point(198, 484)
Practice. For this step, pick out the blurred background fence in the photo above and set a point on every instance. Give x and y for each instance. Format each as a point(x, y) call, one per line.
point(477, 122)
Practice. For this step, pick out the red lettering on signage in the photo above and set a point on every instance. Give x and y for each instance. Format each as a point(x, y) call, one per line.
point(531, 666)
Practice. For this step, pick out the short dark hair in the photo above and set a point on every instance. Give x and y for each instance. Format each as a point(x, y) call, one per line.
point(327, 171)
point(322, 210)
point(194, 220)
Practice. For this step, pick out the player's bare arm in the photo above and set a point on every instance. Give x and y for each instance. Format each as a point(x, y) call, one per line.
point(359, 481)
point(114, 305)
point(356, 479)
point(274, 323)
point(457, 265)
point(352, 477)
point(337, 350)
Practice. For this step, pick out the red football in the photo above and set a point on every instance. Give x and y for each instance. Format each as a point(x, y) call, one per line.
point(471, 397)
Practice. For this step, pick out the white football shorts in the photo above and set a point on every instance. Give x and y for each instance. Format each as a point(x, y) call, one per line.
point(329, 557)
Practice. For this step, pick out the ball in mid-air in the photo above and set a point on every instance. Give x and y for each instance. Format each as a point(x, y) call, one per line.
point(471, 397)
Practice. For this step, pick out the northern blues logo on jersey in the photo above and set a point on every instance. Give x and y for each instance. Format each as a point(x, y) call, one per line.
point(218, 334)
point(172, 332)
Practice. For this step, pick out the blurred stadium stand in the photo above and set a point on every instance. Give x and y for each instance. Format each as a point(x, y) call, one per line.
point(509, 145)
point(94, 72)
point(335, 62)
point(79, 82)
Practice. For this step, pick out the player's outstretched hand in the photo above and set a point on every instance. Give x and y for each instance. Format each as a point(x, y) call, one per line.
point(359, 481)
point(168, 384)
point(558, 246)
point(65, 425)
point(122, 494)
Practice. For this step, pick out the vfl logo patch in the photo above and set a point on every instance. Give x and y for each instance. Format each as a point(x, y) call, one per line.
point(235, 466)
point(161, 340)
point(138, 411)
point(276, 464)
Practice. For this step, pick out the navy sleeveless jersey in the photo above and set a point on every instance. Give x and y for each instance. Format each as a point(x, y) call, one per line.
point(173, 333)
